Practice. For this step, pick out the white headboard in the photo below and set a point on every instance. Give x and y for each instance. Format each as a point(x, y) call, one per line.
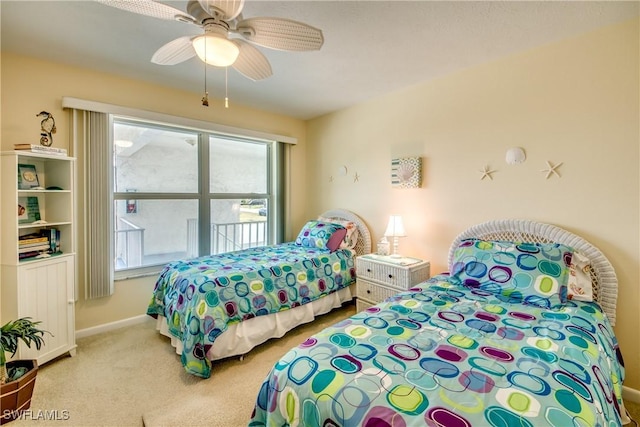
point(603, 276)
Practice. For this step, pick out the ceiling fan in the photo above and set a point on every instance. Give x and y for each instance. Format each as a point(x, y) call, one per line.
point(227, 39)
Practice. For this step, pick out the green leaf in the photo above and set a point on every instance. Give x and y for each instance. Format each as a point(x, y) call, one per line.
point(23, 329)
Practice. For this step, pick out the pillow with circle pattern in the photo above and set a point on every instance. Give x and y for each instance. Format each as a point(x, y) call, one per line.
point(526, 273)
point(317, 234)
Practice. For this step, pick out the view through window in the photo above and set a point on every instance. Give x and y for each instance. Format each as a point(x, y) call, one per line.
point(181, 193)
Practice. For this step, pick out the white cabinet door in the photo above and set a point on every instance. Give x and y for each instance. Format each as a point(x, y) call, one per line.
point(46, 293)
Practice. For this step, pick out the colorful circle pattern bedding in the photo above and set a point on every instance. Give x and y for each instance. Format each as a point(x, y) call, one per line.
point(202, 296)
point(443, 354)
point(527, 273)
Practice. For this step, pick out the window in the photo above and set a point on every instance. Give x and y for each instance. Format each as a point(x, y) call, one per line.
point(181, 193)
point(121, 185)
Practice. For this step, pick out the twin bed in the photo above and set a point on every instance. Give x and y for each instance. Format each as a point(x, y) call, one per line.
point(224, 305)
point(517, 333)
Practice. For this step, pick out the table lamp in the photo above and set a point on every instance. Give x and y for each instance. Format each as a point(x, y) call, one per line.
point(395, 229)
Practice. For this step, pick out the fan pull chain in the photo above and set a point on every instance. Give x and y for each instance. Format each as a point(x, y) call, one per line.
point(205, 98)
point(226, 87)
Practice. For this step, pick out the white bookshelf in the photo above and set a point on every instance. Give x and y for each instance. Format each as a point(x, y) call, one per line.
point(42, 288)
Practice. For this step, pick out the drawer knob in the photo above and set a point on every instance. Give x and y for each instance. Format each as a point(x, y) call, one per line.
point(368, 270)
point(391, 276)
point(368, 291)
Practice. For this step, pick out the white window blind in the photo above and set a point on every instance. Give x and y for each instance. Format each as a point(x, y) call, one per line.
point(91, 139)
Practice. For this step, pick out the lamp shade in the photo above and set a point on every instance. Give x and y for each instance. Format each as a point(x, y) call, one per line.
point(216, 50)
point(395, 228)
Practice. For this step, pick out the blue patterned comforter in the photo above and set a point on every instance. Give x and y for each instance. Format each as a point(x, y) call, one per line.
point(201, 297)
point(442, 354)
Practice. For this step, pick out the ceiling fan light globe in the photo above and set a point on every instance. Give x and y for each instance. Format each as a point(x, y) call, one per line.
point(215, 50)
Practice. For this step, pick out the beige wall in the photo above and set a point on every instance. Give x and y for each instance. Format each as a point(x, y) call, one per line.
point(30, 86)
point(574, 102)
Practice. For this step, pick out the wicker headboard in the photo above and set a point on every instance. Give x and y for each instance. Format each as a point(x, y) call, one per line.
point(603, 276)
point(364, 239)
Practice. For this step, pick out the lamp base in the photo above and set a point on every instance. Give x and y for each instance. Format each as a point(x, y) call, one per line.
point(395, 248)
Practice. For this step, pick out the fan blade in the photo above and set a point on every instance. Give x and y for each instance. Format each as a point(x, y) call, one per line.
point(251, 62)
point(174, 52)
point(149, 8)
point(281, 34)
point(230, 8)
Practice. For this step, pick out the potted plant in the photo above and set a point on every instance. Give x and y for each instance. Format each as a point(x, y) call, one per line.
point(18, 377)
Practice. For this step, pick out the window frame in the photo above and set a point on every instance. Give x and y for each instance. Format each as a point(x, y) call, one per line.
point(203, 195)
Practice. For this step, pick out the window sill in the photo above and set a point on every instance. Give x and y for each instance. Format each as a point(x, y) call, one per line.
point(137, 273)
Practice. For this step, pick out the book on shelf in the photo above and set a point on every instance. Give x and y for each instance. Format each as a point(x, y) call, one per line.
point(32, 239)
point(33, 254)
point(35, 148)
point(43, 247)
point(43, 243)
point(54, 239)
point(28, 254)
point(22, 247)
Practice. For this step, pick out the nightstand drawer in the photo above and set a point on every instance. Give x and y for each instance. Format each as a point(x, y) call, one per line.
point(373, 292)
point(401, 277)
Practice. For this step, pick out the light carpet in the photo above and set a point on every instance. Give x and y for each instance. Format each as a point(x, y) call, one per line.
point(133, 377)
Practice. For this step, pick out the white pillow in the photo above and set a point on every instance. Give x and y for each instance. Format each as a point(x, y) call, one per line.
point(351, 238)
point(579, 286)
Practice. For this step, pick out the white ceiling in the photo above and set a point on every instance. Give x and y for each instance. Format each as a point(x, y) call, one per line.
point(371, 47)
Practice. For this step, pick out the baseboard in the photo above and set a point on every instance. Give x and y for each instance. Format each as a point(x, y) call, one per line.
point(83, 333)
point(630, 394)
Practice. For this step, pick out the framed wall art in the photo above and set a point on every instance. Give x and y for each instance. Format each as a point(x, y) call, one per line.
point(28, 210)
point(27, 177)
point(406, 172)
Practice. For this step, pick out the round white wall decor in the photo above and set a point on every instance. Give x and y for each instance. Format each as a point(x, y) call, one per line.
point(515, 156)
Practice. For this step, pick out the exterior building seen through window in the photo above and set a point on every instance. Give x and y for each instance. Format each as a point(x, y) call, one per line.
point(182, 193)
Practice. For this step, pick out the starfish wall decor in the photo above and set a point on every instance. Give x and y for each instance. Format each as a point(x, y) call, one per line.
point(486, 173)
point(551, 169)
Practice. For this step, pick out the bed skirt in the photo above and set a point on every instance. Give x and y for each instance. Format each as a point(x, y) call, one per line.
point(240, 338)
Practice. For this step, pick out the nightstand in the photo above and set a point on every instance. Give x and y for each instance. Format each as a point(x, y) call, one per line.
point(379, 277)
